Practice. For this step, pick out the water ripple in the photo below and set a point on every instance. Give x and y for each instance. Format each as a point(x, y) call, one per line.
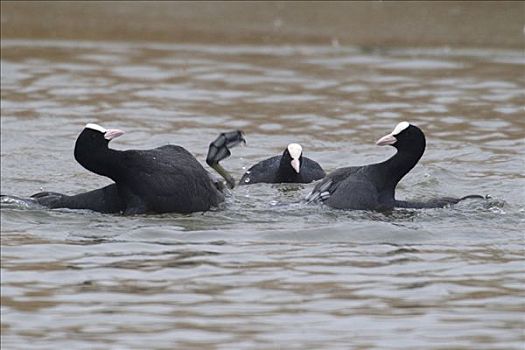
point(266, 270)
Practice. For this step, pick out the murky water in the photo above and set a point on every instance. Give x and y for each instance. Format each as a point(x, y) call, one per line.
point(266, 271)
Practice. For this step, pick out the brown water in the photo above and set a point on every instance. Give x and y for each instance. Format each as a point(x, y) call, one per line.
point(267, 271)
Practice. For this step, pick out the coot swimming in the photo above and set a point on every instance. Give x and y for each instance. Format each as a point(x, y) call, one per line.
point(290, 167)
point(372, 187)
point(159, 180)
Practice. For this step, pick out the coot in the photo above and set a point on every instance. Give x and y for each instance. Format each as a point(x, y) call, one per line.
point(160, 180)
point(290, 167)
point(372, 187)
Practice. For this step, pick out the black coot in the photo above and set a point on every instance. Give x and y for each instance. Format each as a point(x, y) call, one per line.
point(372, 187)
point(160, 180)
point(290, 167)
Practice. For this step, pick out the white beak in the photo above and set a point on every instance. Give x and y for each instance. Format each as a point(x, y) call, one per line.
point(111, 134)
point(386, 140)
point(296, 165)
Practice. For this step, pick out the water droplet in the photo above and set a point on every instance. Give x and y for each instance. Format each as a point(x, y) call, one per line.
point(247, 180)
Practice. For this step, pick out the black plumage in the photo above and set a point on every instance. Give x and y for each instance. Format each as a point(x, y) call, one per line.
point(372, 187)
point(161, 180)
point(103, 200)
point(290, 167)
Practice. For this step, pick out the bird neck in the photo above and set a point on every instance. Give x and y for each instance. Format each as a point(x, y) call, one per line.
point(102, 162)
point(285, 172)
point(397, 166)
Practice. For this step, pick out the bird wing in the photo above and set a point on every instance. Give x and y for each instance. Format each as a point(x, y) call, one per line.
point(311, 170)
point(347, 188)
point(327, 186)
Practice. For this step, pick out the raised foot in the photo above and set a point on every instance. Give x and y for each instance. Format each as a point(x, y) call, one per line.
point(220, 149)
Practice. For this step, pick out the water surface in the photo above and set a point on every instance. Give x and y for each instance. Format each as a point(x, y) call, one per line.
point(265, 270)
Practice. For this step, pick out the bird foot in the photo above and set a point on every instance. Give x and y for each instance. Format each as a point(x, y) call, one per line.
point(220, 149)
